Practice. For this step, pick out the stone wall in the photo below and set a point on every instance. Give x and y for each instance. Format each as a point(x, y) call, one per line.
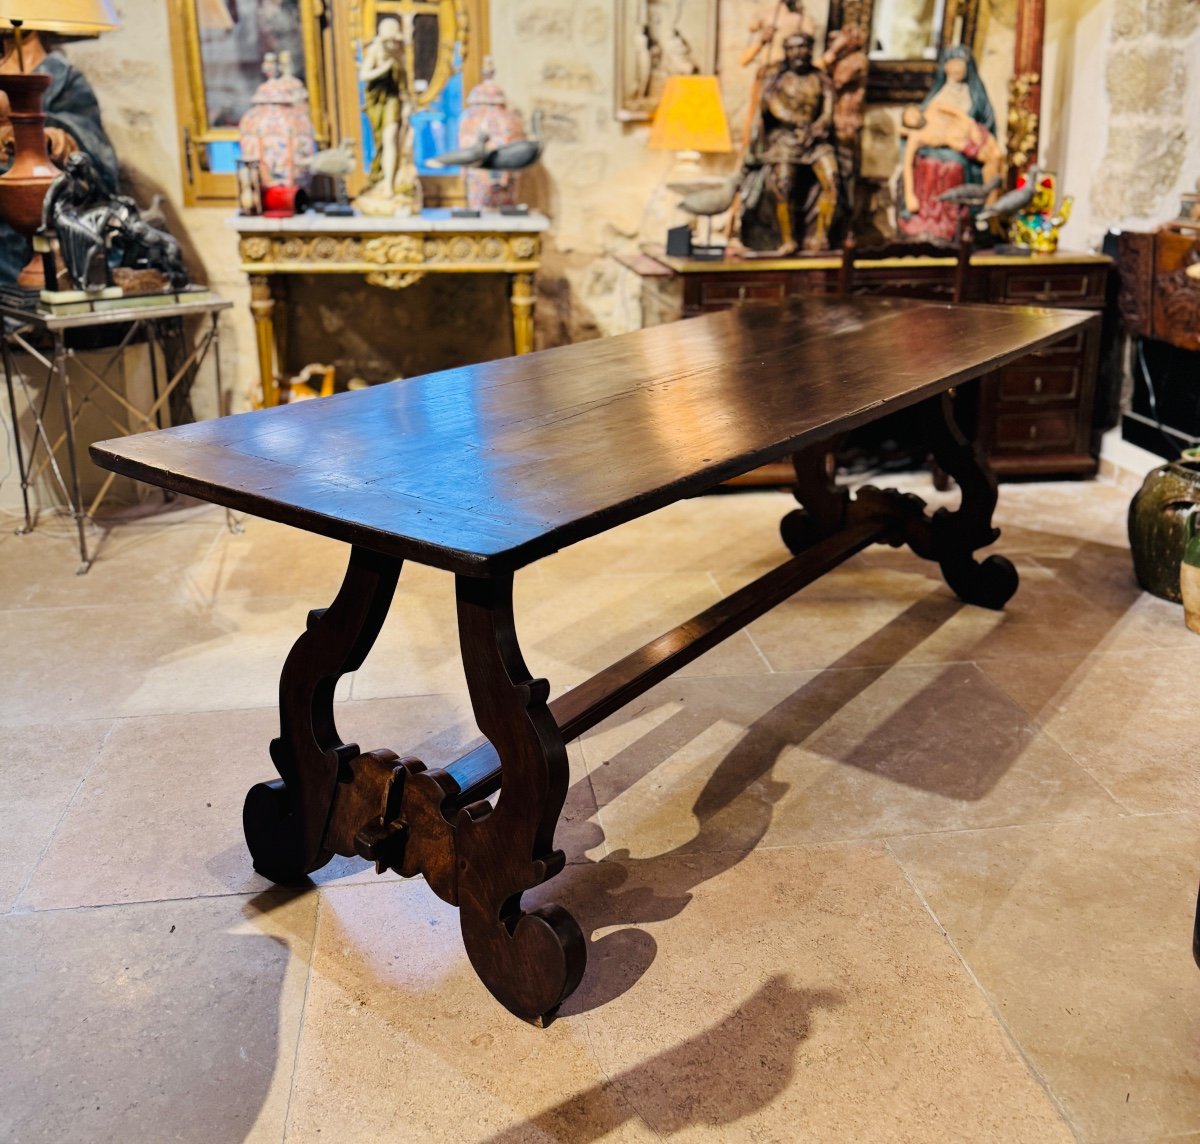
point(1117, 93)
point(1152, 85)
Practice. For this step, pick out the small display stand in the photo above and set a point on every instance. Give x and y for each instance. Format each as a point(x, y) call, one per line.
point(40, 330)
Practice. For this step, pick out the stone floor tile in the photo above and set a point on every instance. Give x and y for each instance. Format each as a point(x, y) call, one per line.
point(40, 770)
point(569, 628)
point(402, 1041)
point(736, 534)
point(796, 995)
point(269, 559)
point(1129, 719)
point(804, 1024)
point(168, 791)
point(726, 765)
point(106, 661)
point(1081, 935)
point(173, 1020)
point(142, 562)
point(1095, 511)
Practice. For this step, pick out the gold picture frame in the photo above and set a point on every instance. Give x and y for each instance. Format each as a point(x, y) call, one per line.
point(461, 23)
point(657, 39)
point(453, 28)
point(217, 57)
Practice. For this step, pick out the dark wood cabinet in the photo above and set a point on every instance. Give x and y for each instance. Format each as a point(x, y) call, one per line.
point(1034, 416)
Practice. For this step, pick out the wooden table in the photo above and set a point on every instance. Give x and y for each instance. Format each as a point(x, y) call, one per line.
point(1035, 416)
point(393, 253)
point(484, 470)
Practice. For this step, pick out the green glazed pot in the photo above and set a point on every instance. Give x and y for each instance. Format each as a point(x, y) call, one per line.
point(1189, 572)
point(1158, 526)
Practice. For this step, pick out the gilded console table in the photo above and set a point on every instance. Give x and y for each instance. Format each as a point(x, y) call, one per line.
point(393, 253)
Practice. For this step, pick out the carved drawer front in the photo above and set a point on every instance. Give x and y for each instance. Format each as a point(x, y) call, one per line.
point(1049, 288)
point(1045, 430)
point(747, 292)
point(1033, 380)
point(1070, 347)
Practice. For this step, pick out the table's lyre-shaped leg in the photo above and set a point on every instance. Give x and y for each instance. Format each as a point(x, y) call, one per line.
point(529, 961)
point(285, 820)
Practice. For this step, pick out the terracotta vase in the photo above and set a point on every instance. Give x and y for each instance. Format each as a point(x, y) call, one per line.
point(488, 113)
point(1158, 526)
point(23, 187)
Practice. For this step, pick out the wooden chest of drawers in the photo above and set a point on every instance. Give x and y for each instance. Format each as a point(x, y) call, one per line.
point(1034, 417)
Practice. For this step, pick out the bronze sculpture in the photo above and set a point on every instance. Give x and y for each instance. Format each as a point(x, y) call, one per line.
point(103, 239)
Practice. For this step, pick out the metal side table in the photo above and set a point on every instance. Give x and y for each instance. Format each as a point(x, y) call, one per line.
point(29, 331)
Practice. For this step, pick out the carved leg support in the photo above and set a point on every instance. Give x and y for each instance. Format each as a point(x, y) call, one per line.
point(529, 961)
point(285, 821)
point(950, 538)
point(825, 505)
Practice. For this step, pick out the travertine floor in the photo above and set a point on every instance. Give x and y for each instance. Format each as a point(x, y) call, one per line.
point(882, 868)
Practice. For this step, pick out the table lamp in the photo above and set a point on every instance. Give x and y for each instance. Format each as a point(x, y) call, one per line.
point(690, 120)
point(24, 186)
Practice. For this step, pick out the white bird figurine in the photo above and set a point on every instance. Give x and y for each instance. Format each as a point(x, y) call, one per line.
point(706, 198)
point(471, 156)
point(335, 162)
point(970, 194)
point(1012, 201)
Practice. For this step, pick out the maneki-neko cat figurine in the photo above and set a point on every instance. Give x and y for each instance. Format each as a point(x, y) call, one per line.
point(1036, 226)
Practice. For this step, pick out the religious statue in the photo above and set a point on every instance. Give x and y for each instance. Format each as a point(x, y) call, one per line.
point(102, 239)
point(791, 168)
point(394, 187)
point(845, 62)
point(770, 27)
point(72, 125)
point(949, 141)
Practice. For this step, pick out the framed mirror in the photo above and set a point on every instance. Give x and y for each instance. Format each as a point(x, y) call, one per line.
point(218, 48)
point(905, 39)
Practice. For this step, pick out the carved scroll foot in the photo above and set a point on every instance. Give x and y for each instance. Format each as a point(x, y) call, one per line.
point(950, 538)
point(990, 584)
point(530, 962)
point(285, 821)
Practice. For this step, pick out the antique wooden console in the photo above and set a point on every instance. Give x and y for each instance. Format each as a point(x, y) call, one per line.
point(1035, 416)
point(484, 470)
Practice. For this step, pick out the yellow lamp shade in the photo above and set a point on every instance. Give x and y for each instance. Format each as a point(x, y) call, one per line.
point(690, 116)
point(68, 17)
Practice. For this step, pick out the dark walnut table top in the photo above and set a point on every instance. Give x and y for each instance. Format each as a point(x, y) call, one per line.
point(490, 467)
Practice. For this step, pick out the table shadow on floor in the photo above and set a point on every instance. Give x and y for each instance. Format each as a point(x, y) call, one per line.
point(713, 1080)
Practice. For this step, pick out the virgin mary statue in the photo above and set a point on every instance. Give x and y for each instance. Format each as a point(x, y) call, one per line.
point(953, 133)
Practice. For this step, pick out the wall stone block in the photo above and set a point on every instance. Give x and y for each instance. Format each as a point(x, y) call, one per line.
point(544, 21)
point(1172, 19)
point(1147, 78)
point(570, 75)
point(1129, 19)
